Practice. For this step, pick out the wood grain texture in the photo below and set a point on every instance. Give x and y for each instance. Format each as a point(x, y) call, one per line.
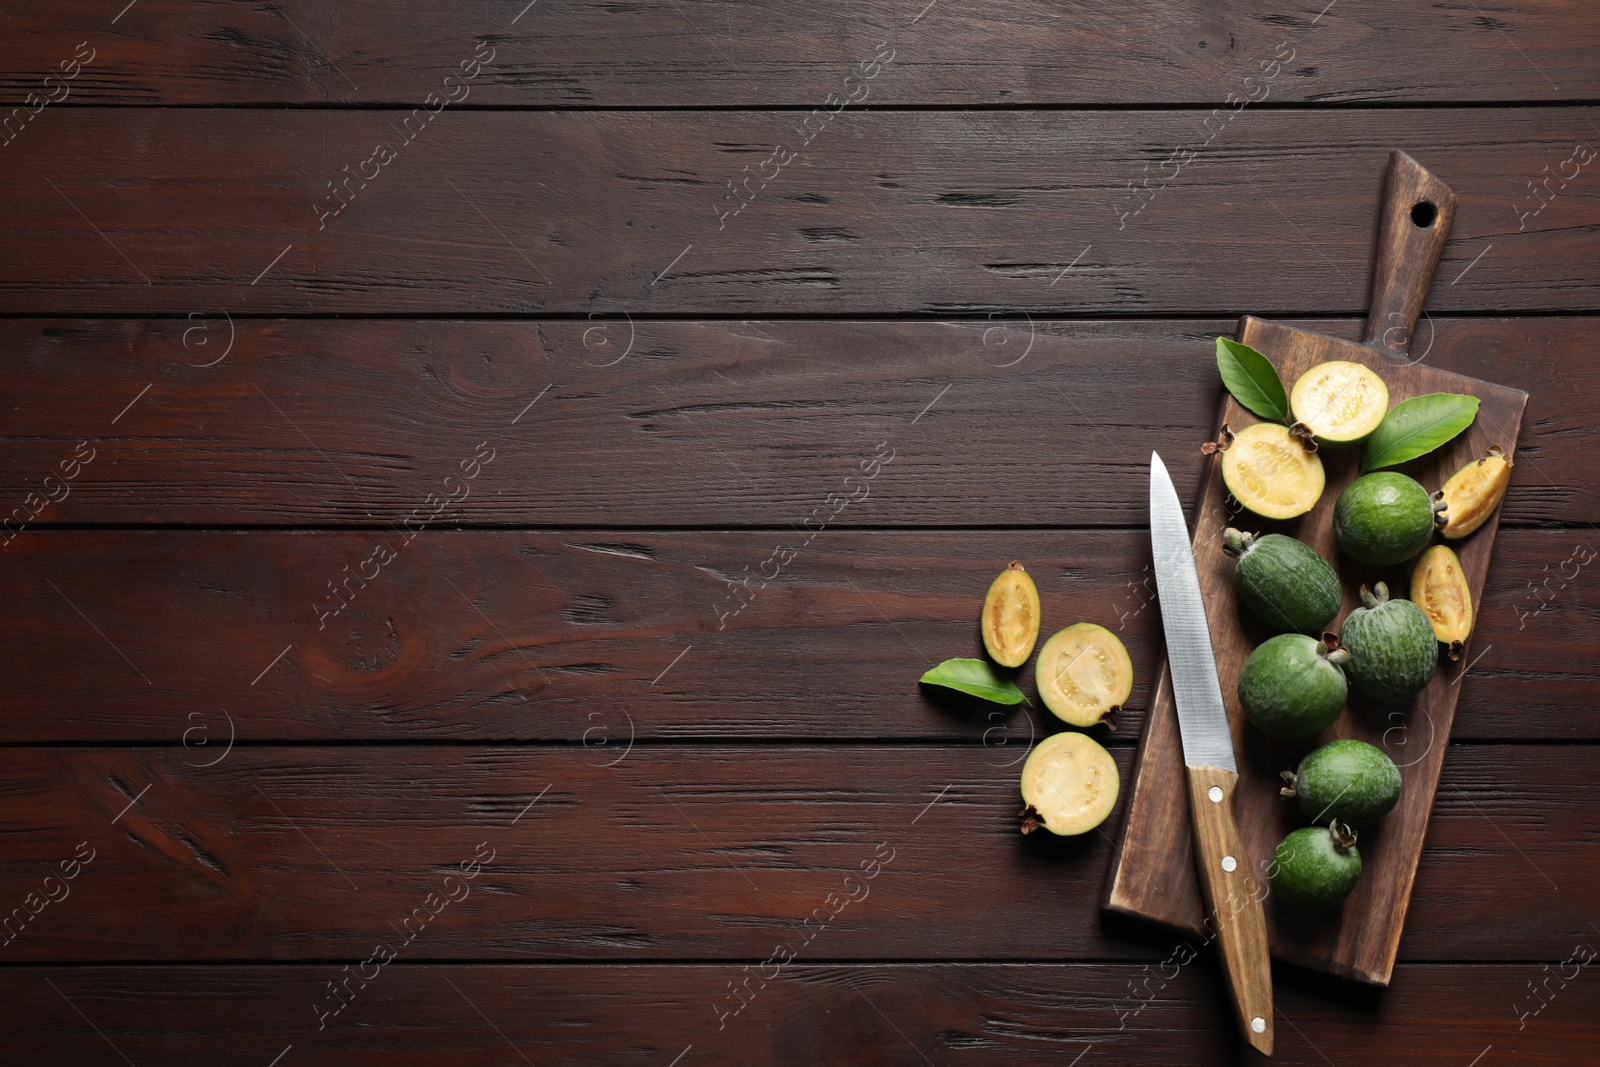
point(674, 852)
point(1414, 222)
point(1008, 52)
point(1361, 940)
point(880, 212)
point(651, 423)
point(565, 635)
point(1232, 891)
point(1038, 1013)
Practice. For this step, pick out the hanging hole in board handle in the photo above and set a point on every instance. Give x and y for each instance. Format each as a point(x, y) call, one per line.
point(1423, 214)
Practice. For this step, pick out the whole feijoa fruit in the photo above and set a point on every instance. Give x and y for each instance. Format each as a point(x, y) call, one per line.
point(1316, 867)
point(1385, 518)
point(1292, 686)
point(1069, 785)
point(1439, 587)
point(1392, 647)
point(1084, 675)
point(1347, 780)
point(1284, 582)
point(1473, 492)
point(1010, 620)
point(1270, 471)
point(1339, 401)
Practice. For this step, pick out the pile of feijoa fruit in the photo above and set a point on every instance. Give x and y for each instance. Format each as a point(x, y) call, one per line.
point(1069, 782)
point(1294, 685)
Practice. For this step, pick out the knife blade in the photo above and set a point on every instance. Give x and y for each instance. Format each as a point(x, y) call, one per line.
point(1233, 894)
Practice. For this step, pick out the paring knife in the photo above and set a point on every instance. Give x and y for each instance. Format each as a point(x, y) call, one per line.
point(1232, 887)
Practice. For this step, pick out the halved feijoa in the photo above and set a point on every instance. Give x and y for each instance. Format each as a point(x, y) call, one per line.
point(1084, 674)
point(1316, 867)
point(1474, 491)
point(1392, 647)
point(1385, 518)
point(1283, 581)
point(1339, 401)
point(1439, 588)
point(1069, 784)
point(1292, 686)
point(1011, 617)
point(1271, 472)
point(1347, 780)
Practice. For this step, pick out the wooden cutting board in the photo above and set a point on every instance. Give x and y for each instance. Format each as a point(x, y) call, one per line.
point(1153, 876)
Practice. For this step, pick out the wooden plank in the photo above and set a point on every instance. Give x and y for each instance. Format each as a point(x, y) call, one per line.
point(1360, 940)
point(594, 636)
point(673, 852)
point(685, 422)
point(1007, 52)
point(1038, 1013)
point(471, 211)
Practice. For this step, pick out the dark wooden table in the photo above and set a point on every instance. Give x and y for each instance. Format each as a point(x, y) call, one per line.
point(484, 480)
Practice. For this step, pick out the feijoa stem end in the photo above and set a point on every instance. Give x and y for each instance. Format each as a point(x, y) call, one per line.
point(1441, 509)
point(1344, 838)
point(1376, 596)
point(1223, 442)
point(1032, 821)
point(1290, 781)
point(1302, 433)
point(1236, 543)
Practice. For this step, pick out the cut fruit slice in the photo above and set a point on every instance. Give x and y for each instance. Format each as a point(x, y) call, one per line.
point(1084, 674)
point(1474, 491)
point(1440, 589)
point(1011, 617)
point(1339, 401)
point(1069, 785)
point(1271, 472)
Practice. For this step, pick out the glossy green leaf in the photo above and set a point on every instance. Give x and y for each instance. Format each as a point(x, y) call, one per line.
point(977, 677)
point(1418, 426)
point(1252, 380)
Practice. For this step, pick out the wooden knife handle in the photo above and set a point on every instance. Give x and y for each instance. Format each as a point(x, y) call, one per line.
point(1413, 226)
point(1233, 891)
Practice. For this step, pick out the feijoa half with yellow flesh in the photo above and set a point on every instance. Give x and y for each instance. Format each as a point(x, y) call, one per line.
point(1439, 588)
point(1069, 784)
point(1011, 617)
point(1339, 401)
point(1474, 491)
point(1272, 472)
point(1084, 674)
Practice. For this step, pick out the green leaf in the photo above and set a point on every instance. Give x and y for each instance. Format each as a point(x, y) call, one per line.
point(974, 676)
point(1252, 380)
point(1417, 427)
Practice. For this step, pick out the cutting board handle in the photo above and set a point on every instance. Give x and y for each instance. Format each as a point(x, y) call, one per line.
point(1415, 223)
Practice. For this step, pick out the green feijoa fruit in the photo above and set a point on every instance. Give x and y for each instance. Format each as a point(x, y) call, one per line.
point(1392, 647)
point(1316, 867)
point(1347, 780)
point(1385, 518)
point(1292, 686)
point(1284, 582)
